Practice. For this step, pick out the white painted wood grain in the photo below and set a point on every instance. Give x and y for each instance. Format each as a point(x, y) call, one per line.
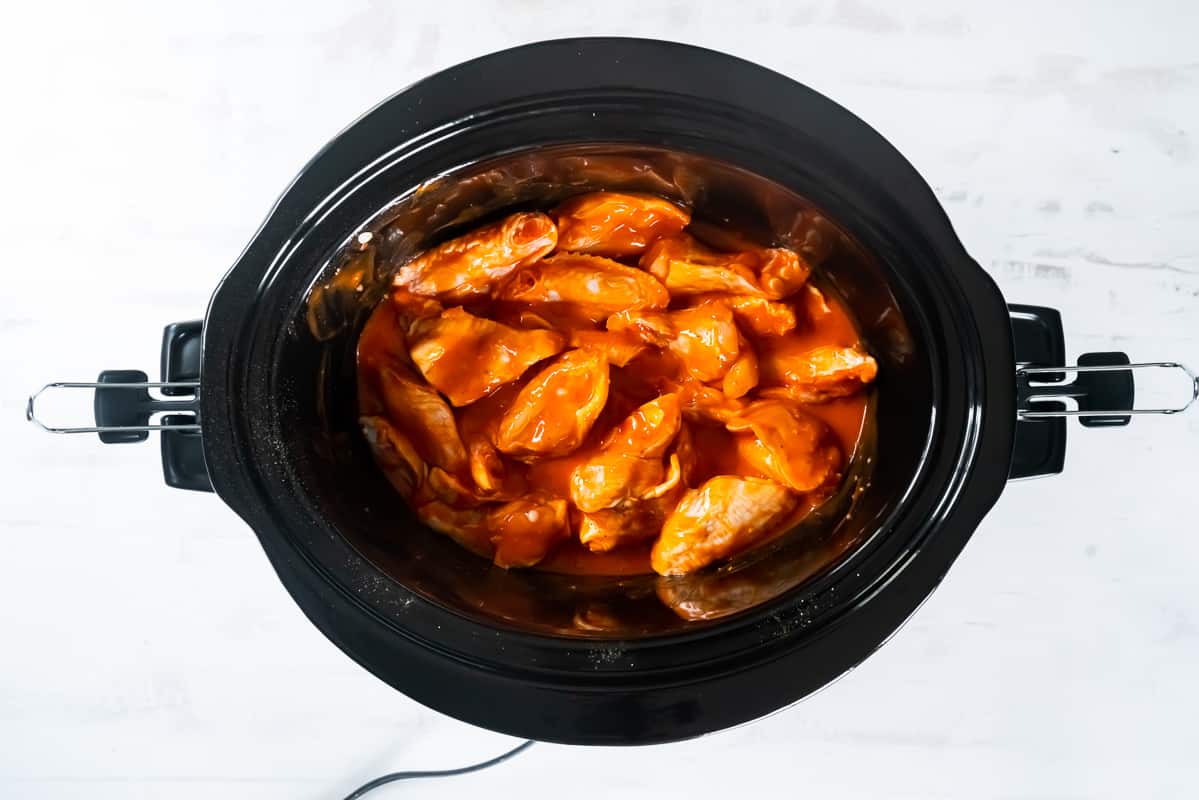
point(148, 650)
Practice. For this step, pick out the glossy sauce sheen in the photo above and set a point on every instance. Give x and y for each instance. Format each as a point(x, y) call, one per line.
point(822, 321)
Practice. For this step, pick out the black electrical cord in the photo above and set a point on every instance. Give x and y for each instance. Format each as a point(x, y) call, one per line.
point(391, 777)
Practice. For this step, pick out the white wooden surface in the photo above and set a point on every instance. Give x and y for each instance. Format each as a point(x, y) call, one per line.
point(146, 648)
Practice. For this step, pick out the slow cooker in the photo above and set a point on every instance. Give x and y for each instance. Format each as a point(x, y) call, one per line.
point(257, 402)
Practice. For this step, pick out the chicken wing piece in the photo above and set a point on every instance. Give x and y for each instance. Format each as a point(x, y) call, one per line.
point(688, 267)
point(524, 530)
point(629, 462)
point(395, 455)
point(639, 516)
point(515, 534)
point(595, 286)
point(702, 403)
point(648, 431)
point(628, 523)
point(618, 348)
point(756, 315)
point(652, 327)
point(782, 272)
point(470, 265)
point(555, 410)
point(494, 478)
point(794, 448)
point(615, 225)
point(813, 304)
point(423, 416)
point(411, 307)
point(469, 357)
point(812, 376)
point(612, 480)
point(468, 527)
point(383, 342)
point(723, 517)
point(743, 374)
point(704, 338)
point(449, 489)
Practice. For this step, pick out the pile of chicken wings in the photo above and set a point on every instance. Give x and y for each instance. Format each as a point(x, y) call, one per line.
point(541, 378)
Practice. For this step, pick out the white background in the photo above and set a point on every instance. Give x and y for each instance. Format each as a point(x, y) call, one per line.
point(146, 647)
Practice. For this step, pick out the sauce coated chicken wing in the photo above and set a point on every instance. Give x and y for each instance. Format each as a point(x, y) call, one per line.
point(721, 518)
point(395, 454)
point(756, 315)
point(589, 285)
point(704, 338)
point(629, 463)
point(627, 523)
point(688, 267)
point(423, 416)
point(524, 530)
point(470, 265)
point(469, 357)
point(515, 534)
point(554, 412)
point(618, 348)
point(812, 376)
point(616, 225)
point(790, 446)
point(742, 376)
point(479, 424)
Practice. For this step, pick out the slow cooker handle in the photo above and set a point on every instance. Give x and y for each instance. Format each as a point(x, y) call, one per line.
point(123, 407)
point(1102, 391)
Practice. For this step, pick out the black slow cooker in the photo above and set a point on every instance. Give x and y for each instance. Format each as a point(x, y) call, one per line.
point(259, 399)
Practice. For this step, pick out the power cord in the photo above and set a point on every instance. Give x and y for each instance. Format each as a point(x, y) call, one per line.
point(391, 777)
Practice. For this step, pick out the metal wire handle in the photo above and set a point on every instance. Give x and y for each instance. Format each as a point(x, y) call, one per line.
point(1066, 392)
point(193, 386)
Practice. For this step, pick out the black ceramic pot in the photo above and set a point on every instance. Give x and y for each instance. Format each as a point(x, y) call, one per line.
point(271, 427)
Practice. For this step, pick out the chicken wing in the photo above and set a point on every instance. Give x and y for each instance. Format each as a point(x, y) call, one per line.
point(618, 348)
point(615, 225)
point(648, 431)
point(555, 410)
point(468, 527)
point(590, 285)
point(469, 357)
point(410, 307)
point(515, 534)
point(423, 416)
point(815, 375)
point(608, 478)
point(382, 341)
point(524, 530)
point(470, 265)
point(755, 315)
point(627, 523)
point(688, 267)
point(782, 272)
point(478, 424)
point(743, 374)
point(795, 449)
point(702, 403)
point(704, 338)
point(723, 517)
point(395, 455)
